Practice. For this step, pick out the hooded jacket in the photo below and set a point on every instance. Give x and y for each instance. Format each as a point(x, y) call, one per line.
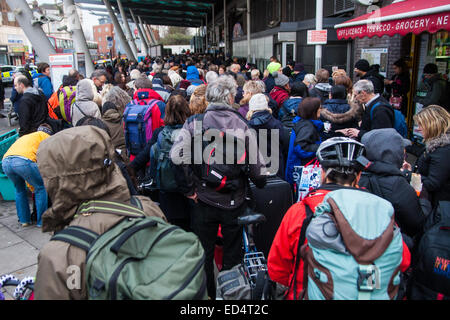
point(303, 144)
point(289, 107)
point(341, 115)
point(84, 104)
point(384, 178)
point(434, 167)
point(32, 111)
point(114, 120)
point(144, 97)
point(76, 166)
point(222, 117)
point(435, 89)
point(321, 91)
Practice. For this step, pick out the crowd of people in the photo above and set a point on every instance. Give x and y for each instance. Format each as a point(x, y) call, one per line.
point(300, 116)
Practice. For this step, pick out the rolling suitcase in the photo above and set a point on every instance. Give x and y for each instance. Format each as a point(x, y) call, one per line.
point(273, 201)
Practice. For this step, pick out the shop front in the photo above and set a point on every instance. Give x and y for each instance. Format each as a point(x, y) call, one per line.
point(4, 55)
point(426, 24)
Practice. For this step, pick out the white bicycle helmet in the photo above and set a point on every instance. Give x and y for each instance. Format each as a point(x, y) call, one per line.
point(341, 153)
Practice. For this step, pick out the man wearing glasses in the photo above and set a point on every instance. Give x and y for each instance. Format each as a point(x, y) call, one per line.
point(382, 115)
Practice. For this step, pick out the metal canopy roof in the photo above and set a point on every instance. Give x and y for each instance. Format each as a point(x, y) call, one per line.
point(183, 13)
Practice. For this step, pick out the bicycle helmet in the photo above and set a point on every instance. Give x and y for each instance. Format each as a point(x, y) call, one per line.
point(341, 153)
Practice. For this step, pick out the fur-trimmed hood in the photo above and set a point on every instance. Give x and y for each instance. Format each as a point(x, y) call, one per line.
point(437, 142)
point(355, 111)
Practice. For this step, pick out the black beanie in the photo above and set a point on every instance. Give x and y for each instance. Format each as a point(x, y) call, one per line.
point(362, 65)
point(430, 68)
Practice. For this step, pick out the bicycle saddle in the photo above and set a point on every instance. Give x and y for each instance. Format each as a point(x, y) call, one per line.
point(251, 219)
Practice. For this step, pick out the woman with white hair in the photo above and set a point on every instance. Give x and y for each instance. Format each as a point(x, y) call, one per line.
point(211, 76)
point(134, 74)
point(310, 80)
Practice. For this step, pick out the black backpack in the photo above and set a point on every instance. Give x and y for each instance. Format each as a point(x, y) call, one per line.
point(431, 265)
point(220, 169)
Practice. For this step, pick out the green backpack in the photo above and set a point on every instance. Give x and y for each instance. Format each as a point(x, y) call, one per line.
point(160, 157)
point(140, 258)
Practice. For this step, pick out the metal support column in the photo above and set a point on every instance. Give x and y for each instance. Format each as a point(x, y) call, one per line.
point(39, 41)
point(144, 41)
point(119, 31)
point(225, 27)
point(130, 37)
point(150, 32)
point(319, 24)
point(249, 54)
point(79, 40)
point(206, 33)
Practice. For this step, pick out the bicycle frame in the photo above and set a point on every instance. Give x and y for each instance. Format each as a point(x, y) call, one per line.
point(254, 260)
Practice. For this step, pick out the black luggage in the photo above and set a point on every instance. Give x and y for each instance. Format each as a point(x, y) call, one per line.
point(431, 263)
point(273, 201)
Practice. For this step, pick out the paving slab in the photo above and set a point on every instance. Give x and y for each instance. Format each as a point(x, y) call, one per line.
point(19, 256)
point(8, 238)
point(34, 236)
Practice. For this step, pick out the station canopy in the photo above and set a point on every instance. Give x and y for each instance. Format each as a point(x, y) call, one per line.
point(400, 17)
point(181, 13)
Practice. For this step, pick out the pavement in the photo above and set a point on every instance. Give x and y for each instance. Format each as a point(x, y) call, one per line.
point(19, 247)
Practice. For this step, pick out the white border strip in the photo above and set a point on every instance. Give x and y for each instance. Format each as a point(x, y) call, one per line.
point(403, 15)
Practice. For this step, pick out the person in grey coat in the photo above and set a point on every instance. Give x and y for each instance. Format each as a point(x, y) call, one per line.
point(84, 104)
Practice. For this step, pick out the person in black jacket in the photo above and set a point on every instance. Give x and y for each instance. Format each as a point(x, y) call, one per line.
point(33, 109)
point(399, 84)
point(365, 72)
point(378, 113)
point(434, 164)
point(385, 149)
point(338, 113)
point(260, 118)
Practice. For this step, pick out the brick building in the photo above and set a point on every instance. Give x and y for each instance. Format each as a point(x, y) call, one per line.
point(101, 33)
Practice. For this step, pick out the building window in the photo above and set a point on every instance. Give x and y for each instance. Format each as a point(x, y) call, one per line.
point(11, 17)
point(106, 29)
point(99, 38)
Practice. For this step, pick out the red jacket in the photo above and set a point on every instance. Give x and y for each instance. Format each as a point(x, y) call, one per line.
point(282, 254)
point(145, 96)
point(280, 95)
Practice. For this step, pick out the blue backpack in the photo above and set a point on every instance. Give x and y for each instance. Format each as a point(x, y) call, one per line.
point(399, 121)
point(138, 125)
point(354, 248)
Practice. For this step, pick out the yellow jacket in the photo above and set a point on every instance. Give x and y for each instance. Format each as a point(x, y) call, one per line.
point(27, 145)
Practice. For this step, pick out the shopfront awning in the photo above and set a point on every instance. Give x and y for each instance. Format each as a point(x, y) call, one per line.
point(400, 17)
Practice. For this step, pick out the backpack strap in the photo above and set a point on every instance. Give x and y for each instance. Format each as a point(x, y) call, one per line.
point(301, 241)
point(78, 236)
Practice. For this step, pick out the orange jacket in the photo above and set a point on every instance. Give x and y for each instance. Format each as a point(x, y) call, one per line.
point(283, 252)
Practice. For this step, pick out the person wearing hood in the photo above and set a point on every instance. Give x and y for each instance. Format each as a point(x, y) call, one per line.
point(41, 80)
point(305, 136)
point(63, 161)
point(134, 74)
point(270, 80)
point(84, 104)
point(364, 72)
point(113, 119)
point(193, 76)
point(33, 106)
point(339, 113)
point(384, 177)
point(322, 88)
point(280, 92)
point(19, 164)
point(260, 118)
point(288, 109)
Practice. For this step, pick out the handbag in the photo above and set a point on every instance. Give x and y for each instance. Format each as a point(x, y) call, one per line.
point(306, 178)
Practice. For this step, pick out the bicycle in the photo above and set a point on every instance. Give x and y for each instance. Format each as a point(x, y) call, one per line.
point(24, 289)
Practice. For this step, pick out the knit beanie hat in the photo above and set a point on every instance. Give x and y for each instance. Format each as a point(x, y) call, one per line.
point(258, 102)
point(280, 79)
point(273, 66)
point(299, 67)
point(430, 68)
point(362, 65)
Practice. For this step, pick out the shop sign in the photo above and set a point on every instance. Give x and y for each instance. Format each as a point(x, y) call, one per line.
point(3, 48)
point(317, 37)
point(430, 23)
